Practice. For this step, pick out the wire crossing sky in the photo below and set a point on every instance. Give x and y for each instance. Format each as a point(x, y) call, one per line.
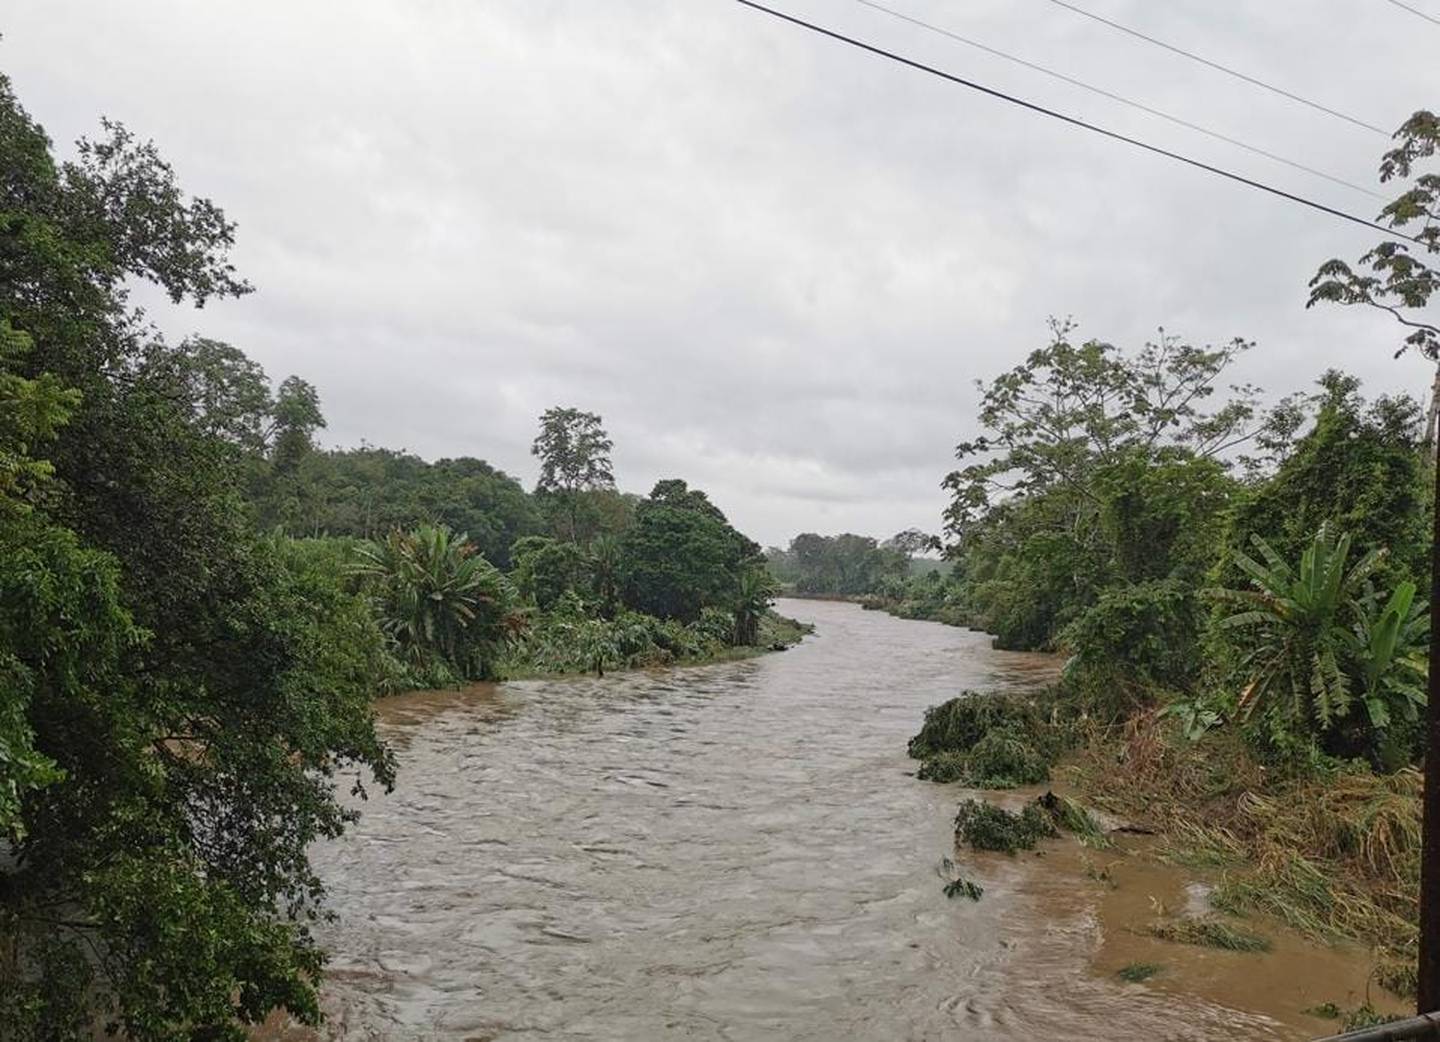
point(1073, 121)
point(1227, 70)
point(1415, 11)
point(1102, 92)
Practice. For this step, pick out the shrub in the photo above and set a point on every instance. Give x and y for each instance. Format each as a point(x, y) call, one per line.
point(990, 741)
point(945, 767)
point(1133, 643)
point(962, 887)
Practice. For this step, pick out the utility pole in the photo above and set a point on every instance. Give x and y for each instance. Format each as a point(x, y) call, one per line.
point(1428, 985)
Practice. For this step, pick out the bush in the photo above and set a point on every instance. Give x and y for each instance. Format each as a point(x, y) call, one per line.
point(1133, 644)
point(956, 725)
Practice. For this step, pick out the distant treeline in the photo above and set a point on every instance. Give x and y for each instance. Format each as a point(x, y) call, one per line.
point(850, 565)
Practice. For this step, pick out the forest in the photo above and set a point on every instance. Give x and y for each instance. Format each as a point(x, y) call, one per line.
point(198, 607)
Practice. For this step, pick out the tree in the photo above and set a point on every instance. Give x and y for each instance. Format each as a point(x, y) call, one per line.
point(574, 453)
point(681, 555)
point(754, 593)
point(447, 609)
point(229, 392)
point(911, 543)
point(190, 692)
point(1395, 278)
point(547, 569)
point(297, 417)
point(1068, 409)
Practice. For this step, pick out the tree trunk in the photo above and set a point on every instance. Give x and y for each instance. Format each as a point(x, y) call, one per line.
point(1432, 414)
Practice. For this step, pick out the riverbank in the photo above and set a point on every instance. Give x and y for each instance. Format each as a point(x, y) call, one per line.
point(577, 647)
point(1330, 856)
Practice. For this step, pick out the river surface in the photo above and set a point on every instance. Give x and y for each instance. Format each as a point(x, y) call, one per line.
point(741, 852)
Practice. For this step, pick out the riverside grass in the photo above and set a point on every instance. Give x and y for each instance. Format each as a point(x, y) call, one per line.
point(1332, 853)
point(1209, 932)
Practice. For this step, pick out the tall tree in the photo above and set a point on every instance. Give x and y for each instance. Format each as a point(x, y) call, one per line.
point(681, 555)
point(1394, 277)
point(574, 453)
point(186, 693)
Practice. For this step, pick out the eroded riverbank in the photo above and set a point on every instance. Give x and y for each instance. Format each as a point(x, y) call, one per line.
point(739, 851)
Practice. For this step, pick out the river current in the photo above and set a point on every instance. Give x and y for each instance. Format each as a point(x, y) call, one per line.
point(741, 852)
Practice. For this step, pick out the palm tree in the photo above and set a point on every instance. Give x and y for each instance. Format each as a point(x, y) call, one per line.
point(603, 558)
point(754, 593)
point(438, 599)
point(1296, 661)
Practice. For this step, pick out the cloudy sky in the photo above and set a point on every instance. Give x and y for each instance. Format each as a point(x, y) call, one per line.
point(774, 264)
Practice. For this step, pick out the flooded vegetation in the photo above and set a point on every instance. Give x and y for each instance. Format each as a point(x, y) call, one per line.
point(741, 851)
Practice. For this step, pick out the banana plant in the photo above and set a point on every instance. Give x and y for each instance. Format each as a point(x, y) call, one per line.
point(1389, 649)
point(754, 593)
point(1296, 658)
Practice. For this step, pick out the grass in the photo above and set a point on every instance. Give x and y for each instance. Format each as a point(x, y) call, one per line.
point(1209, 932)
point(1136, 972)
point(1332, 853)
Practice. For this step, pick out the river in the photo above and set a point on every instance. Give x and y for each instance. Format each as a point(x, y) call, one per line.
point(741, 852)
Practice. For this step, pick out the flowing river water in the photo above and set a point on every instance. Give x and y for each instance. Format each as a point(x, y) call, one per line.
point(740, 851)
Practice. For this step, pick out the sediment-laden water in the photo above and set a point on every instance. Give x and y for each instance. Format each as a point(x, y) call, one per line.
point(740, 852)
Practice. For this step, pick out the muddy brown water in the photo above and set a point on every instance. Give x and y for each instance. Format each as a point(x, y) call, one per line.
point(741, 852)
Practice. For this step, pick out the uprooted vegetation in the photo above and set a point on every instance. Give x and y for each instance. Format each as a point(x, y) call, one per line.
point(1209, 931)
point(1332, 853)
point(984, 826)
point(987, 741)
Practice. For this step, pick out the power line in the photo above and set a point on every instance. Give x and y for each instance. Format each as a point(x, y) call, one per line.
point(1415, 11)
point(1222, 68)
point(1179, 121)
point(1073, 121)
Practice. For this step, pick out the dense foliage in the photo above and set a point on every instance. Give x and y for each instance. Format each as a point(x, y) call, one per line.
point(198, 605)
point(179, 693)
point(849, 565)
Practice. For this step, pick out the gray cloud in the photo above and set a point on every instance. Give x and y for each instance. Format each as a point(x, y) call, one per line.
point(774, 264)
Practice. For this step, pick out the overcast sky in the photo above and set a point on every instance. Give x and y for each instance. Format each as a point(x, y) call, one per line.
point(775, 265)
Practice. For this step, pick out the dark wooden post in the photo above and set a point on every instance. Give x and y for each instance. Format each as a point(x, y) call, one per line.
point(1428, 997)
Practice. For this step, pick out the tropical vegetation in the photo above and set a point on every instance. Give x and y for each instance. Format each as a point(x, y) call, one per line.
point(199, 604)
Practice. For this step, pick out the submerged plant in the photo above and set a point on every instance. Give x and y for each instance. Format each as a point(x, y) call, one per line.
point(1209, 932)
point(988, 741)
point(962, 887)
point(1135, 972)
point(985, 826)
